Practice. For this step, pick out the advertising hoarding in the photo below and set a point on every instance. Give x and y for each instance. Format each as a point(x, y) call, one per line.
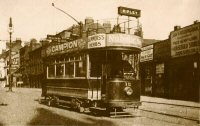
point(185, 41)
point(129, 12)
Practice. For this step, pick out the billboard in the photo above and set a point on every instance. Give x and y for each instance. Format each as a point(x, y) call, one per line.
point(129, 12)
point(185, 41)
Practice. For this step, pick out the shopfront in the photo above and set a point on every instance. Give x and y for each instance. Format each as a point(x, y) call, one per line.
point(161, 61)
point(147, 70)
point(185, 56)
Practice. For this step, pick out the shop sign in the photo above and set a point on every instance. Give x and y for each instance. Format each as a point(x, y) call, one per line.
point(15, 59)
point(160, 68)
point(96, 41)
point(185, 41)
point(147, 47)
point(66, 47)
point(126, 40)
point(147, 53)
point(129, 12)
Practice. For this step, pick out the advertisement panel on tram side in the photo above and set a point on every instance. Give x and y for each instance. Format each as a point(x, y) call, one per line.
point(66, 47)
point(96, 41)
point(124, 40)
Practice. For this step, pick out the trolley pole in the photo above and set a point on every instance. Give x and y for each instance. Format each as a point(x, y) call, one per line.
point(79, 23)
point(10, 77)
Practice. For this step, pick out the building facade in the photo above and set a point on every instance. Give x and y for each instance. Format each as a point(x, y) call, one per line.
point(170, 68)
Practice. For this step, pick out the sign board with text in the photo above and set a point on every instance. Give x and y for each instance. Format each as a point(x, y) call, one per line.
point(71, 46)
point(96, 41)
point(147, 53)
point(125, 40)
point(185, 41)
point(129, 12)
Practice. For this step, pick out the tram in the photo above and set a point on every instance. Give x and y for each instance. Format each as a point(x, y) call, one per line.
point(100, 72)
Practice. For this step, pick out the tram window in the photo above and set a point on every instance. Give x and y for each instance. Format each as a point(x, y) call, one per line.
point(130, 65)
point(51, 71)
point(95, 70)
point(69, 69)
point(80, 66)
point(60, 67)
point(59, 70)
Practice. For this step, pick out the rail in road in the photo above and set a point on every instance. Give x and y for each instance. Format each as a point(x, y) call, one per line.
point(177, 108)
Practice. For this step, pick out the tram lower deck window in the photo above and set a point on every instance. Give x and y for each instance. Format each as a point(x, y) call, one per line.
point(80, 67)
point(51, 71)
point(69, 69)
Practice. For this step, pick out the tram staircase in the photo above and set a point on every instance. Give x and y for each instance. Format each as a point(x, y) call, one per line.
point(177, 108)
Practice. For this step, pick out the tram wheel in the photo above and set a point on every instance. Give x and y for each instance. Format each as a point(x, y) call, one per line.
point(81, 109)
point(49, 102)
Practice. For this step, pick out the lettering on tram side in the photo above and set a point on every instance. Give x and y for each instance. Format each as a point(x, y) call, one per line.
point(66, 47)
point(127, 40)
point(96, 41)
point(185, 41)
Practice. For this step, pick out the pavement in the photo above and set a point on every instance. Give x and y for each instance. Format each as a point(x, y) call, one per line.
point(178, 108)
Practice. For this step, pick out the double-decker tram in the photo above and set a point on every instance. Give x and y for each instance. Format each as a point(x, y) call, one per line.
point(99, 73)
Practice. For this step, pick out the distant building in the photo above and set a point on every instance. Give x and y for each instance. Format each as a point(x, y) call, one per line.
point(15, 60)
point(26, 62)
point(2, 73)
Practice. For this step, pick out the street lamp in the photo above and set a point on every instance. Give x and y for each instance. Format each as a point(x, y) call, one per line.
point(10, 30)
point(79, 23)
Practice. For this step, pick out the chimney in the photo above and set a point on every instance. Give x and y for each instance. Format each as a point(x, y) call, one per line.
point(197, 21)
point(177, 27)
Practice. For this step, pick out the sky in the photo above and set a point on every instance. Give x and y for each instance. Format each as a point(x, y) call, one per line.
point(37, 18)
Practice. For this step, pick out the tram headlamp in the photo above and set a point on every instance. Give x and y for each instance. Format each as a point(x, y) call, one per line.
point(128, 90)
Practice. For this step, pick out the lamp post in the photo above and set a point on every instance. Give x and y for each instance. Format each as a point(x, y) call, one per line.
point(10, 30)
point(79, 23)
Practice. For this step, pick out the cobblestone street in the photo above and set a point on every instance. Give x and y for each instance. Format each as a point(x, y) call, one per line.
point(21, 107)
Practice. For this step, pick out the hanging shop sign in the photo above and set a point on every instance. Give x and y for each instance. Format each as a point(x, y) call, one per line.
point(129, 12)
point(96, 41)
point(147, 53)
point(125, 40)
point(185, 41)
point(66, 47)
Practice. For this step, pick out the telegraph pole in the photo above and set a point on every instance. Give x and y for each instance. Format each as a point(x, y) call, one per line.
point(10, 32)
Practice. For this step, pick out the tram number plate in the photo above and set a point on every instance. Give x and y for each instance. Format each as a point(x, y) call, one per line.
point(128, 84)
